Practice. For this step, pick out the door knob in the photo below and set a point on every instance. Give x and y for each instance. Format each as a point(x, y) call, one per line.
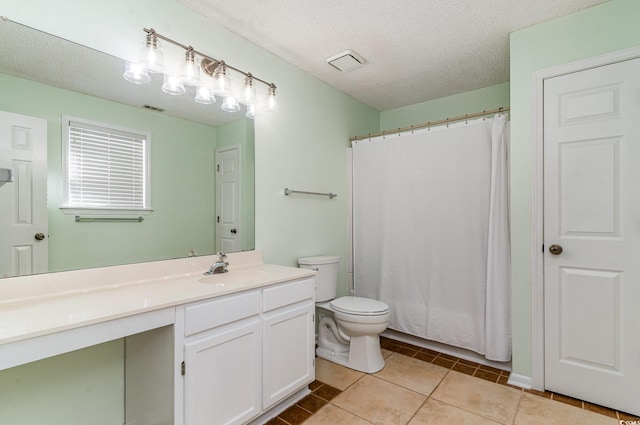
point(39, 236)
point(234, 231)
point(555, 249)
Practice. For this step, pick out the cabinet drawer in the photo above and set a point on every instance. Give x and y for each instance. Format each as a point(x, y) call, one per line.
point(211, 314)
point(288, 293)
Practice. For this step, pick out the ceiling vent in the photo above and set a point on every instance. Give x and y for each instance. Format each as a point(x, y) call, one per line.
point(346, 61)
point(153, 108)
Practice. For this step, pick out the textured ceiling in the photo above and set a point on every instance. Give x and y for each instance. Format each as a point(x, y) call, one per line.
point(416, 50)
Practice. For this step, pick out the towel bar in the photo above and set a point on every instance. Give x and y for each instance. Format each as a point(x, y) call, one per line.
point(289, 191)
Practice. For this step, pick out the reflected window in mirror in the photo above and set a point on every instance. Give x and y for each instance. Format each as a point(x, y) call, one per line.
point(106, 167)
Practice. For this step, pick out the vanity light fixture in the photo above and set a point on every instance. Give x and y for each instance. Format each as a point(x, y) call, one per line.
point(214, 80)
point(151, 56)
point(190, 70)
point(272, 100)
point(249, 92)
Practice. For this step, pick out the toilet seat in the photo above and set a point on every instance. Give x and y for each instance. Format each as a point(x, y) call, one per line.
point(359, 306)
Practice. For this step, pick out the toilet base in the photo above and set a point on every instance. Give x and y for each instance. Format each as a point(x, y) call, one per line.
point(364, 354)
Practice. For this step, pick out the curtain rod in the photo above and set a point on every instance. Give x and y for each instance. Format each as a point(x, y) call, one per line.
point(430, 123)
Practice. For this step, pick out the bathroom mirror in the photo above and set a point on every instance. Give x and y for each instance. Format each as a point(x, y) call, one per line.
point(47, 77)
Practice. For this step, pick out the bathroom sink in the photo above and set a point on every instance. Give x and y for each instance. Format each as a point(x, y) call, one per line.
point(234, 276)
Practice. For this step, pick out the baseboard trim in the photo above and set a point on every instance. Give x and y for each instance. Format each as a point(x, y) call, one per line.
point(521, 381)
point(446, 349)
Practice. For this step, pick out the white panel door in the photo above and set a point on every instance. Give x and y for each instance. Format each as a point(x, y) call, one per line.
point(592, 212)
point(23, 202)
point(222, 375)
point(228, 199)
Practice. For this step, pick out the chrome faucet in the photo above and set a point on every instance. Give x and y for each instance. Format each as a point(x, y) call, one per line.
point(220, 266)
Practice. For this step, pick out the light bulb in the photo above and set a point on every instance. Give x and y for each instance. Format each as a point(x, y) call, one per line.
point(204, 95)
point(190, 69)
point(136, 73)
point(173, 85)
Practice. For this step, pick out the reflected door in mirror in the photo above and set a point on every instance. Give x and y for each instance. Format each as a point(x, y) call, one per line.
point(23, 201)
point(228, 199)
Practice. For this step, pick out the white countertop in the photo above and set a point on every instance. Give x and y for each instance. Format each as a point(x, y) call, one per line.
point(41, 305)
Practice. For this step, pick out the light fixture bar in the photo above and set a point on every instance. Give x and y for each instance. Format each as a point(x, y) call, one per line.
point(151, 31)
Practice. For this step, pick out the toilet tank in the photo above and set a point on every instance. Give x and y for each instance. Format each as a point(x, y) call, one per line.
point(327, 276)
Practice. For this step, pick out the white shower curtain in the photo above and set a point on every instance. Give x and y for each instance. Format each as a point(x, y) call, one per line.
point(431, 232)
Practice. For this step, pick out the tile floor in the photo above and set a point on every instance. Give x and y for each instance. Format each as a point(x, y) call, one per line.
point(420, 387)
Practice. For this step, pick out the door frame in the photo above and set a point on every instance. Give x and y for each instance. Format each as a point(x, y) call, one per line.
point(537, 196)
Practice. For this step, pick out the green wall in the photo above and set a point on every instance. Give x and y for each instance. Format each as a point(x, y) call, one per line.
point(241, 132)
point(605, 28)
point(182, 156)
point(81, 387)
point(483, 99)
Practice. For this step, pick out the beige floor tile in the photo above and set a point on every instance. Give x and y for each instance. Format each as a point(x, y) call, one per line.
point(534, 410)
point(386, 353)
point(335, 375)
point(333, 415)
point(413, 374)
point(487, 399)
point(380, 402)
point(434, 412)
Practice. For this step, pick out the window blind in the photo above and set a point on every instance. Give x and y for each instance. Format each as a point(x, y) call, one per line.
point(106, 168)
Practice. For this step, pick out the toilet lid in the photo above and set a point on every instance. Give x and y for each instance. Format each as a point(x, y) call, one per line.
point(360, 306)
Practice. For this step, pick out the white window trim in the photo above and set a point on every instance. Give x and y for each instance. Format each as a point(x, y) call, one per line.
point(65, 207)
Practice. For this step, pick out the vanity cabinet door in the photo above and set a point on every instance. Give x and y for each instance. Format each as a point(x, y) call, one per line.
point(289, 341)
point(223, 374)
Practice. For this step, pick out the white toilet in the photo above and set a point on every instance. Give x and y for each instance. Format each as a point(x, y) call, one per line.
point(349, 328)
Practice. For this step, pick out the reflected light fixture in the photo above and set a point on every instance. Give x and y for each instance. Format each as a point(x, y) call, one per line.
point(230, 104)
point(209, 77)
point(173, 85)
point(251, 111)
point(204, 95)
point(136, 73)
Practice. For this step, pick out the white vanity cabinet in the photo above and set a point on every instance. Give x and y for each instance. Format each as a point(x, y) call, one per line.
point(222, 360)
point(236, 348)
point(289, 340)
point(244, 353)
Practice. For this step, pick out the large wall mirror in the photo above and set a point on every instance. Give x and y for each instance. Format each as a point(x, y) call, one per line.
point(48, 79)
